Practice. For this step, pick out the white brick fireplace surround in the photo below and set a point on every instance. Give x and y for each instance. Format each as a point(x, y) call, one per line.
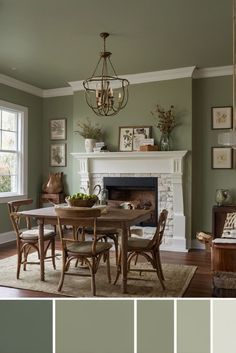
point(166, 166)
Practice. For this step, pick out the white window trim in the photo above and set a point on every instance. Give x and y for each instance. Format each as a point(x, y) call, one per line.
point(23, 192)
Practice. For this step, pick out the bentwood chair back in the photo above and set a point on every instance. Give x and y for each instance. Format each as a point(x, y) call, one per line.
point(27, 239)
point(76, 247)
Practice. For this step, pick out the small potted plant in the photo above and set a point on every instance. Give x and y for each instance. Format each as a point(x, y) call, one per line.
point(165, 123)
point(90, 132)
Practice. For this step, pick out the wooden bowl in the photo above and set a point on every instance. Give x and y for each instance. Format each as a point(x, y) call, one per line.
point(81, 203)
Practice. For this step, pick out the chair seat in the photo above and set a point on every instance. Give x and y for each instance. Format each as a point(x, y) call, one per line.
point(33, 234)
point(85, 247)
point(138, 244)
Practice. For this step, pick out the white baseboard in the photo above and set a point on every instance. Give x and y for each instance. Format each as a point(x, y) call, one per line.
point(7, 237)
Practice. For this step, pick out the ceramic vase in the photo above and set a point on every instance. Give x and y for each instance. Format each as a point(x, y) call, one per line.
point(89, 145)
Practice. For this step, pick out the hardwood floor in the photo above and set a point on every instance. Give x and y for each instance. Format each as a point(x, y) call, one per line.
point(200, 285)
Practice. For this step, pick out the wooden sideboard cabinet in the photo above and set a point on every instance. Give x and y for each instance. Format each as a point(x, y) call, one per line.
point(218, 218)
point(55, 198)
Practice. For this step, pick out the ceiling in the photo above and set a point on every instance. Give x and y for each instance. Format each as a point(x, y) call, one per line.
point(47, 43)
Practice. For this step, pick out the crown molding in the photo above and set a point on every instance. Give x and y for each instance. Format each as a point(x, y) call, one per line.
point(155, 76)
point(213, 72)
point(145, 77)
point(163, 75)
point(22, 86)
point(57, 92)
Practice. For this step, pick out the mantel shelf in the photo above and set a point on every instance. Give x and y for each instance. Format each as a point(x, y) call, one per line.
point(131, 155)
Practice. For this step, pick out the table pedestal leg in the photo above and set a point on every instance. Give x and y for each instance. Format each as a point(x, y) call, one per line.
point(124, 240)
point(41, 248)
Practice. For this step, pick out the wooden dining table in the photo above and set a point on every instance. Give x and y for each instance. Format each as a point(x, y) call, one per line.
point(114, 218)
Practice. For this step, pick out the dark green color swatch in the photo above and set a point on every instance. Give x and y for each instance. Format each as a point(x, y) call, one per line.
point(155, 326)
point(25, 326)
point(94, 326)
point(193, 326)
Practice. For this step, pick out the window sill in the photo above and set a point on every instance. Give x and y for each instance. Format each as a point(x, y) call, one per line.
point(12, 197)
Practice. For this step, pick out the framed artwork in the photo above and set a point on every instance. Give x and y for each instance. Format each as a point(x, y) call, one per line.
point(222, 158)
point(58, 155)
point(221, 118)
point(131, 137)
point(58, 129)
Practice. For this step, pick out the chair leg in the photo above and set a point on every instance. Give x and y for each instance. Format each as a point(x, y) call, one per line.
point(158, 271)
point(116, 243)
point(93, 284)
point(108, 267)
point(118, 269)
point(53, 253)
point(136, 260)
point(64, 266)
point(19, 260)
point(25, 257)
point(158, 259)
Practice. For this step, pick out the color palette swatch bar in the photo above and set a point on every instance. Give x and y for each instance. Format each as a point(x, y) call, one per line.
point(119, 325)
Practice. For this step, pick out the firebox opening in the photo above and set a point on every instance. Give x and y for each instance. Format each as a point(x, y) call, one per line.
point(134, 192)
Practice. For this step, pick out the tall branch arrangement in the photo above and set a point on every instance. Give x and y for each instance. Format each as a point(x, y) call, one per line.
point(164, 119)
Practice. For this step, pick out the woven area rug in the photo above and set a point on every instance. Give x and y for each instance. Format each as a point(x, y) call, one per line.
point(177, 279)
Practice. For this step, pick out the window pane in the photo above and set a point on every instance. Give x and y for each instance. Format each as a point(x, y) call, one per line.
point(9, 141)
point(8, 168)
point(8, 163)
point(9, 120)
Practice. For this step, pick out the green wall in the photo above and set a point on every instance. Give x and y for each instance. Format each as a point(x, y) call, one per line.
point(35, 144)
point(56, 108)
point(208, 93)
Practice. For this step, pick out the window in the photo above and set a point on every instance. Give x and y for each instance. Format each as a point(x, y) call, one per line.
point(13, 151)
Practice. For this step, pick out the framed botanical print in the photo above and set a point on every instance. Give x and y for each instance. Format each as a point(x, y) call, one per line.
point(58, 155)
point(131, 137)
point(221, 118)
point(58, 129)
point(222, 158)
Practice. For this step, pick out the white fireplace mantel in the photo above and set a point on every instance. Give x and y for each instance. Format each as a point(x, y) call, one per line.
point(168, 162)
point(166, 166)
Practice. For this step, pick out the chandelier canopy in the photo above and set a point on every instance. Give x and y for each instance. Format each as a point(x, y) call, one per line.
point(105, 92)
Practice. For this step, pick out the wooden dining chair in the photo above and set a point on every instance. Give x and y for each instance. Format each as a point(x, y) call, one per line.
point(76, 247)
point(150, 249)
point(27, 239)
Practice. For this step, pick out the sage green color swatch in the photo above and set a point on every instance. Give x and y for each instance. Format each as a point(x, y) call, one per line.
point(26, 326)
point(155, 326)
point(193, 326)
point(101, 326)
point(224, 324)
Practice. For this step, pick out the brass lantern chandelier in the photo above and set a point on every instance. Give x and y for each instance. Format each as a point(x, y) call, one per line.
point(105, 92)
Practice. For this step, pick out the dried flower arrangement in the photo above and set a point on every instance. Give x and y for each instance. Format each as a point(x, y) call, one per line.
point(89, 130)
point(166, 119)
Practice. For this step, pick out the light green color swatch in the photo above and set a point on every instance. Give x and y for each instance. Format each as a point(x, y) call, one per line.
point(155, 326)
point(94, 326)
point(26, 326)
point(224, 324)
point(193, 326)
